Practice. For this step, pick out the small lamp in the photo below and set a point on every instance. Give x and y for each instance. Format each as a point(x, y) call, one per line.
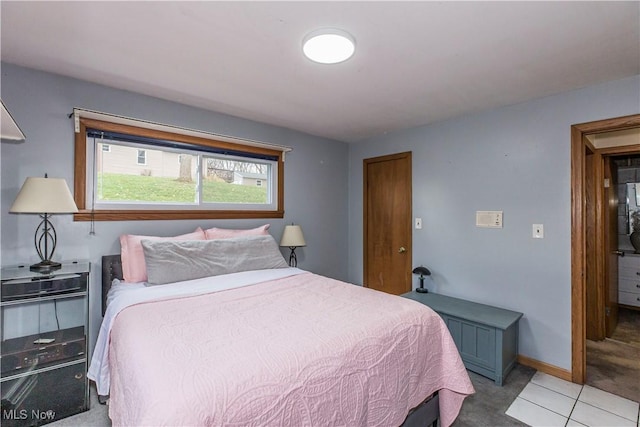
point(44, 196)
point(422, 271)
point(293, 238)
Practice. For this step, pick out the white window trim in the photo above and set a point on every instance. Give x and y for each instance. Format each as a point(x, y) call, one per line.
point(144, 151)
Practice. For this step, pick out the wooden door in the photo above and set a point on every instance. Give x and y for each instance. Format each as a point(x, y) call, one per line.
point(594, 295)
point(387, 223)
point(601, 277)
point(611, 246)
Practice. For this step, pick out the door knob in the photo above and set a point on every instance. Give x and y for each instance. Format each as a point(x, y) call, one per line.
point(402, 250)
point(619, 253)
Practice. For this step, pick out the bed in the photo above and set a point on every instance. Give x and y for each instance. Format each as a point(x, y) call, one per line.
point(271, 347)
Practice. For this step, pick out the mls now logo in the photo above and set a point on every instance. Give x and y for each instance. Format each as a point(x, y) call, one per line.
point(49, 415)
point(23, 414)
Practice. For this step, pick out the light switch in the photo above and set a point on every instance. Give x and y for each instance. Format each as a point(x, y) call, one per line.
point(538, 231)
point(418, 223)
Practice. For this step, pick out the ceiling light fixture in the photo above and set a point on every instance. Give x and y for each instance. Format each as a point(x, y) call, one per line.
point(328, 46)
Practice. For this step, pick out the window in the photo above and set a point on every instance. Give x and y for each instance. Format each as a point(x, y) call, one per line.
point(142, 157)
point(162, 175)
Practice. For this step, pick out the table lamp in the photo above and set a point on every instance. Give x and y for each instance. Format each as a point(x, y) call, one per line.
point(293, 238)
point(44, 196)
point(422, 271)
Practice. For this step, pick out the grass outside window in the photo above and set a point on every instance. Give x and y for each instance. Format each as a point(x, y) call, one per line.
point(118, 187)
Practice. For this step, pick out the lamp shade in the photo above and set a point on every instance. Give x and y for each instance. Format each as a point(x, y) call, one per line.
point(44, 195)
point(292, 236)
point(9, 129)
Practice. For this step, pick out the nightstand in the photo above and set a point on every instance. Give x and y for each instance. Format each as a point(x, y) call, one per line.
point(486, 336)
point(43, 353)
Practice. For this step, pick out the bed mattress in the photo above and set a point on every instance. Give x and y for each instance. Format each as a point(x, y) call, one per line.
point(289, 348)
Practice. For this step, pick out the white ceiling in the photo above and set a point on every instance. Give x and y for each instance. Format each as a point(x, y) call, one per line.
point(415, 62)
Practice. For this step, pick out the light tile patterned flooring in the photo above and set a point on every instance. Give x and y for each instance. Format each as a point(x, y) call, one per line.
point(550, 401)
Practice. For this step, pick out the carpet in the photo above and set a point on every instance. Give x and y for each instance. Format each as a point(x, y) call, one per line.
point(488, 405)
point(485, 408)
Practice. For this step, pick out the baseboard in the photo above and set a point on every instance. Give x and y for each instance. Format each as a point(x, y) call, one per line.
point(545, 367)
point(630, 307)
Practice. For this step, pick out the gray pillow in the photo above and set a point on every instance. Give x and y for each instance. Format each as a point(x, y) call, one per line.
point(171, 261)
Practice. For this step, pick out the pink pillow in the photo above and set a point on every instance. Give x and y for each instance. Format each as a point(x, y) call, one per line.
point(227, 233)
point(134, 268)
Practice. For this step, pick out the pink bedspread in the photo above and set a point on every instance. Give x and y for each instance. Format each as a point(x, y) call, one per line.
point(300, 351)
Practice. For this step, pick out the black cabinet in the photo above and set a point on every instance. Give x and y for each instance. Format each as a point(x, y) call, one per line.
point(43, 353)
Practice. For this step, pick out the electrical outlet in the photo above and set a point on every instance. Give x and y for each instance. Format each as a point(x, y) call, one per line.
point(418, 223)
point(538, 231)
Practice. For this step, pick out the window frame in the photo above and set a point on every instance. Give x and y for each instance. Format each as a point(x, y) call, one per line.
point(86, 213)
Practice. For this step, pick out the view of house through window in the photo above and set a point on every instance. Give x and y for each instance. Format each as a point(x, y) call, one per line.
point(131, 175)
point(125, 172)
point(234, 181)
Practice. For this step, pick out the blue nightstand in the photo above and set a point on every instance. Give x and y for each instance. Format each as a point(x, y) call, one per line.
point(486, 336)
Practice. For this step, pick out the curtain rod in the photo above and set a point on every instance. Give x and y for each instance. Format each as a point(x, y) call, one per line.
point(97, 115)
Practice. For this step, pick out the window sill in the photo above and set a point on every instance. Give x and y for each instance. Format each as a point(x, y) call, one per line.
point(115, 215)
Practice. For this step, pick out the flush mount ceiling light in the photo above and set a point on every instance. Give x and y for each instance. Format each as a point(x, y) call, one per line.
point(328, 46)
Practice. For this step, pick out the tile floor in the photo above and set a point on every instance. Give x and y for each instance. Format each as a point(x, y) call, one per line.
point(550, 401)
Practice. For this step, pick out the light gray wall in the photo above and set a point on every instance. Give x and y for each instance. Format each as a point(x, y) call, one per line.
point(315, 174)
point(515, 159)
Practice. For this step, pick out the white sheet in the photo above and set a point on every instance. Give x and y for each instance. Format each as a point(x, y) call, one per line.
point(99, 368)
point(118, 286)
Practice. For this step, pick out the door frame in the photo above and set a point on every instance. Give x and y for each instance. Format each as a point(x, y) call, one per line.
point(580, 148)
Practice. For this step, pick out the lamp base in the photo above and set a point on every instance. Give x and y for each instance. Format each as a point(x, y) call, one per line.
point(45, 266)
point(422, 290)
point(293, 259)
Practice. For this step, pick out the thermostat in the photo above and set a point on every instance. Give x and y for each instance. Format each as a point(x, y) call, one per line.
point(489, 219)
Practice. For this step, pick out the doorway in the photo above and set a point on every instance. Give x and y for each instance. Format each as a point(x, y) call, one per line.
point(613, 323)
point(594, 235)
point(387, 223)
